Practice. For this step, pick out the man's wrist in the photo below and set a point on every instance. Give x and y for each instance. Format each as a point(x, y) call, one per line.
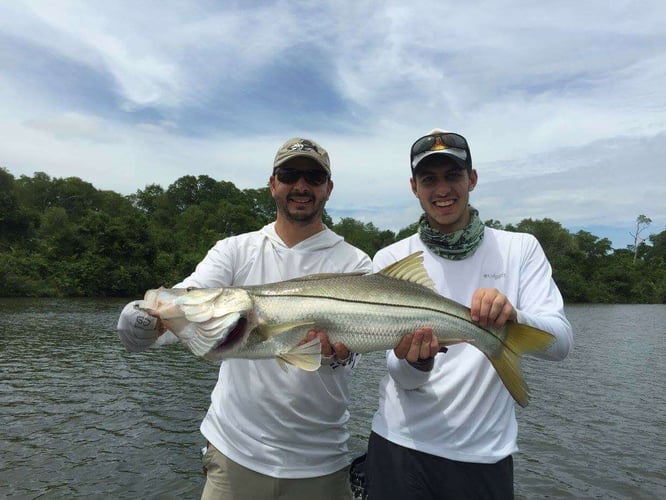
point(423, 364)
point(334, 361)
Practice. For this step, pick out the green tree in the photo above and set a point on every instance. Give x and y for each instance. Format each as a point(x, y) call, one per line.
point(366, 236)
point(15, 223)
point(407, 231)
point(147, 199)
point(560, 249)
point(589, 263)
point(262, 204)
point(64, 237)
point(495, 224)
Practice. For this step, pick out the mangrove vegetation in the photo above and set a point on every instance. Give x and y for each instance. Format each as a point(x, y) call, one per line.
point(63, 237)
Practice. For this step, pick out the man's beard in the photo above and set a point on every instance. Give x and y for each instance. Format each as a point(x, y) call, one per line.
point(302, 217)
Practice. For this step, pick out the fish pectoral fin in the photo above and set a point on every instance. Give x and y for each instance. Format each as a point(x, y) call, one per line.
point(268, 331)
point(306, 356)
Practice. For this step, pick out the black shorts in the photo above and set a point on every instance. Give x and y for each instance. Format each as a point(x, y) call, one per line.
point(394, 472)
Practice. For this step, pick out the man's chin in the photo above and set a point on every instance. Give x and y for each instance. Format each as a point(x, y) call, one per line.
point(301, 216)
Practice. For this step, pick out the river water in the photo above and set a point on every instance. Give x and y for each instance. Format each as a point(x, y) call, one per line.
point(81, 418)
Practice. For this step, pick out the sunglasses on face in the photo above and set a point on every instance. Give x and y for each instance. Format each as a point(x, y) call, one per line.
point(437, 142)
point(315, 177)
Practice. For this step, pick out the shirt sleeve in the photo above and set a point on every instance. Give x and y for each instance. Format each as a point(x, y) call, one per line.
point(540, 302)
point(405, 375)
point(216, 270)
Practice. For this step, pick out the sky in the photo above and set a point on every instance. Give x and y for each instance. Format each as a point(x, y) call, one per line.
point(563, 103)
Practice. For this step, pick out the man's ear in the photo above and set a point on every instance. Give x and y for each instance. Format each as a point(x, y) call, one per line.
point(473, 179)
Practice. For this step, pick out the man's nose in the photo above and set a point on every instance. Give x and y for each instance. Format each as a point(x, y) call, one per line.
point(301, 184)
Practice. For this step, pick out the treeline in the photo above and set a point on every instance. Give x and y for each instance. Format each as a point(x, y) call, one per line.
point(63, 237)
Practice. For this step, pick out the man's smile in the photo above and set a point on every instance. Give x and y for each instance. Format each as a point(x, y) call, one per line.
point(443, 203)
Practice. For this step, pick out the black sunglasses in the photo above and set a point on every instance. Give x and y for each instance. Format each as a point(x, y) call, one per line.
point(315, 177)
point(437, 142)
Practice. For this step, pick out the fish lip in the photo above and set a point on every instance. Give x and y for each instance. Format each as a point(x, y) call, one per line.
point(232, 339)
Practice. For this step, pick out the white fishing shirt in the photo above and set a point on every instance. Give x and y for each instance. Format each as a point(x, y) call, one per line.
point(461, 410)
point(283, 424)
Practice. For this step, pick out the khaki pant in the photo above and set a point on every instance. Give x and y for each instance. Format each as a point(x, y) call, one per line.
point(227, 480)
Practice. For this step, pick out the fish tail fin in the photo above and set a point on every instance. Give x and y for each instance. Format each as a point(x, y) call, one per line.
point(306, 356)
point(525, 339)
point(520, 339)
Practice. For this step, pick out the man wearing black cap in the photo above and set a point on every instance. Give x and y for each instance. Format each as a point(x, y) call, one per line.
point(446, 426)
point(275, 434)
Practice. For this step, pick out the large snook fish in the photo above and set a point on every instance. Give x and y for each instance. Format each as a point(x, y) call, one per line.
point(366, 312)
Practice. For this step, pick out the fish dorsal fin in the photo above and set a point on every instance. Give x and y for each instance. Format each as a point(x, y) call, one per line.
point(410, 269)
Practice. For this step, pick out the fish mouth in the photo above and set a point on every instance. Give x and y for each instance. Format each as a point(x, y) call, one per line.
point(232, 338)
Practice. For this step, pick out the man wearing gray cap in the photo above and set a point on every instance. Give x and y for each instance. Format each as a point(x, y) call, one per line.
point(446, 426)
point(273, 433)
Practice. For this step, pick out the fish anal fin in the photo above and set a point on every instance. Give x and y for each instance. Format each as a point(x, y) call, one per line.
point(410, 269)
point(306, 356)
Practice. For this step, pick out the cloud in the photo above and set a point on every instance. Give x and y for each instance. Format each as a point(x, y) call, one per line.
point(562, 103)
point(74, 126)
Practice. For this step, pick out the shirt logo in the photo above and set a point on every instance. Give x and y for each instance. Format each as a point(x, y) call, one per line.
point(303, 145)
point(494, 276)
point(144, 322)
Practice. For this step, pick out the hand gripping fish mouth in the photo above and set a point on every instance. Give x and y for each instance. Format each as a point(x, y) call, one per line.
point(209, 321)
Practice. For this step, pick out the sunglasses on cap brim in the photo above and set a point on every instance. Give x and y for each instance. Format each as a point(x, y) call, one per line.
point(314, 177)
point(439, 142)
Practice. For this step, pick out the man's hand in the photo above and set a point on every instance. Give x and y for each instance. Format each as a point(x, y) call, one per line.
point(161, 328)
point(327, 350)
point(490, 308)
point(418, 346)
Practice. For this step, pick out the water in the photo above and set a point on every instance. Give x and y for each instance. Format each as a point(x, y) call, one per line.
point(81, 418)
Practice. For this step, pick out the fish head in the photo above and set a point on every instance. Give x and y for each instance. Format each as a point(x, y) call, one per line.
point(219, 321)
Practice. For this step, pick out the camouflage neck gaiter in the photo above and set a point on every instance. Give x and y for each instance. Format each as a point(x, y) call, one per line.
point(454, 246)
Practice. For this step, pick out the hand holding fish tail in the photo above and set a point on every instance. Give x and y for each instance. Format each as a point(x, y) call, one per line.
point(491, 308)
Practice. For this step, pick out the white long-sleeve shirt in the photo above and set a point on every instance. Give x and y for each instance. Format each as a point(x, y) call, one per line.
point(461, 410)
point(284, 424)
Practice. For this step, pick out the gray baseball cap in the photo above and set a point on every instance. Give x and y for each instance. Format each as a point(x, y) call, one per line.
point(302, 147)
